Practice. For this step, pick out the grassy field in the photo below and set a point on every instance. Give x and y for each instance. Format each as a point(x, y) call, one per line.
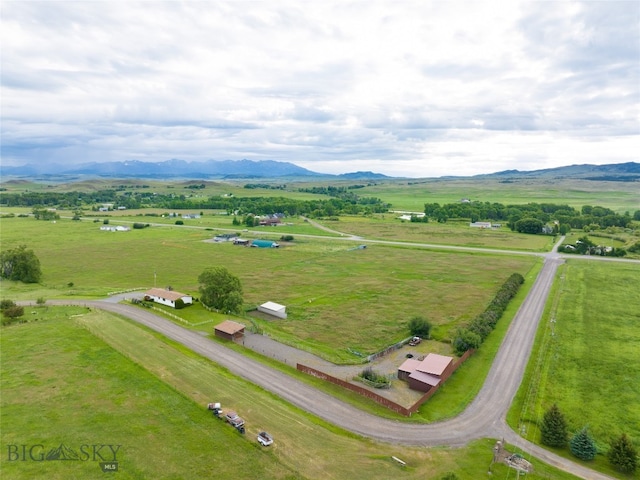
point(411, 195)
point(376, 291)
point(332, 292)
point(62, 385)
point(586, 357)
point(107, 381)
point(402, 194)
point(389, 227)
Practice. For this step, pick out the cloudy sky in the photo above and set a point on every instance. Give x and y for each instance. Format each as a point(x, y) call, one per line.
point(407, 88)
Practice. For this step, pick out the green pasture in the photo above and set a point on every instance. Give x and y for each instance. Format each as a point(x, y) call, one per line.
point(339, 298)
point(412, 194)
point(213, 188)
point(108, 381)
point(402, 194)
point(452, 398)
point(389, 227)
point(586, 356)
point(62, 385)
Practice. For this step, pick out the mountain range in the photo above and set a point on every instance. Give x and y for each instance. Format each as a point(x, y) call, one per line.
point(177, 169)
point(231, 169)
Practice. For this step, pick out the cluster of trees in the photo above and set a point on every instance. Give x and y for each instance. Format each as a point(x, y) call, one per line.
point(10, 311)
point(420, 327)
point(477, 331)
point(220, 290)
point(554, 432)
point(266, 186)
point(20, 264)
point(44, 214)
point(589, 216)
point(584, 246)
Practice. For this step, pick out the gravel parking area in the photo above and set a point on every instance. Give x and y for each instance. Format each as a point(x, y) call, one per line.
point(399, 391)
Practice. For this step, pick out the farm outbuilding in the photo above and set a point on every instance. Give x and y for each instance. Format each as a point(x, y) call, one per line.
point(425, 374)
point(273, 309)
point(229, 330)
point(168, 297)
point(264, 244)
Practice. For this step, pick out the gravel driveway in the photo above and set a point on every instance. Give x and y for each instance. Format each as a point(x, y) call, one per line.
point(485, 416)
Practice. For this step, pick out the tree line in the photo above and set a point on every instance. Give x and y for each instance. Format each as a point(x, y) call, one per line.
point(347, 204)
point(481, 326)
point(532, 216)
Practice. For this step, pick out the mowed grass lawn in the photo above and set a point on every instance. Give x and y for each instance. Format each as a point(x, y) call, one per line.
point(588, 361)
point(338, 298)
point(76, 377)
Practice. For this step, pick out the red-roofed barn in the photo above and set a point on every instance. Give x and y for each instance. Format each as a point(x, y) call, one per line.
point(425, 374)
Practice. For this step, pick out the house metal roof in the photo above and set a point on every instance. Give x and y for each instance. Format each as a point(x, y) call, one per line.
point(425, 378)
point(409, 365)
point(273, 306)
point(434, 364)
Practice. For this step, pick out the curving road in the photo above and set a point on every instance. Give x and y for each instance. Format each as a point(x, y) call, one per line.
point(485, 417)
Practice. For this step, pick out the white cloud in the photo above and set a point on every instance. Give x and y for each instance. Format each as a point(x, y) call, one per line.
point(418, 88)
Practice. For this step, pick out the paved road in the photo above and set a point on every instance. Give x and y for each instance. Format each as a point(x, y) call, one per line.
point(485, 417)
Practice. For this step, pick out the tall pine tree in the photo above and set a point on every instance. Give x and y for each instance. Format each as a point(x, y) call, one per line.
point(582, 445)
point(623, 455)
point(554, 428)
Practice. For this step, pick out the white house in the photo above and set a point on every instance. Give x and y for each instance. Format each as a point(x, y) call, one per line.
point(167, 297)
point(273, 309)
point(480, 224)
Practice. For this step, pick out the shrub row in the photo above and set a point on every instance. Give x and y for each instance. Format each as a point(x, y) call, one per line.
point(480, 327)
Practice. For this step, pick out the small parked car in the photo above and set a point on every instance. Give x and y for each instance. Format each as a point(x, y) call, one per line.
point(414, 341)
point(265, 439)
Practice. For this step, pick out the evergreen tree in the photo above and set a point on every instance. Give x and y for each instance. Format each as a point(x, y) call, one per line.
point(554, 428)
point(623, 455)
point(582, 445)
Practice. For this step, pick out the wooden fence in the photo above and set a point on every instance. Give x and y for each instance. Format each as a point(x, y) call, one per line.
point(378, 398)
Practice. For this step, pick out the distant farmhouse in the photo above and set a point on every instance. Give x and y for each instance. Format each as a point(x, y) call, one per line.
point(485, 225)
point(167, 297)
point(423, 375)
point(271, 220)
point(480, 224)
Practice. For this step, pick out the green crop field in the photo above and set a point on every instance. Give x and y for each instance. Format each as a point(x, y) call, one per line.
point(106, 381)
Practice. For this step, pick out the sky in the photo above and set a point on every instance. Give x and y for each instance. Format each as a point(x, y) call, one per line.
point(405, 88)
